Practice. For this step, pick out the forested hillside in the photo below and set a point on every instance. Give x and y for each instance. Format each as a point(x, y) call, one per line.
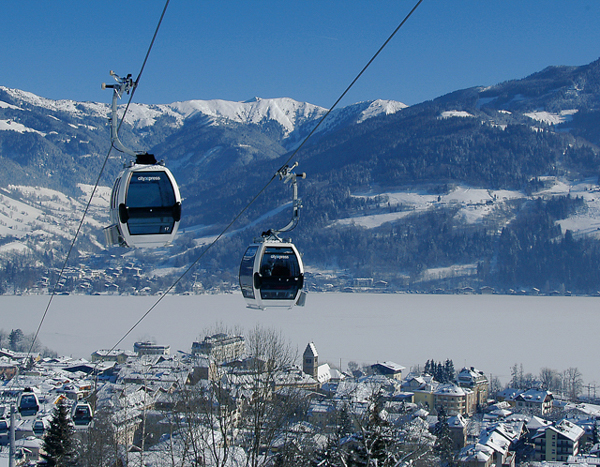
point(492, 186)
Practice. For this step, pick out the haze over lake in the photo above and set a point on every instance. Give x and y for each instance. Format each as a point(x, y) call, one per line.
point(489, 332)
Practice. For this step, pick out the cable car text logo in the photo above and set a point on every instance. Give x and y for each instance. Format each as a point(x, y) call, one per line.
point(280, 257)
point(148, 179)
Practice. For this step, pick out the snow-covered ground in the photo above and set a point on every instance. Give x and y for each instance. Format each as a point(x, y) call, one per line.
point(39, 211)
point(490, 332)
point(552, 118)
point(477, 204)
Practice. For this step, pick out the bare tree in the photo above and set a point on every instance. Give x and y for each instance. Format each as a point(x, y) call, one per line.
point(263, 419)
point(184, 418)
point(495, 385)
point(232, 415)
point(572, 382)
point(98, 443)
point(549, 379)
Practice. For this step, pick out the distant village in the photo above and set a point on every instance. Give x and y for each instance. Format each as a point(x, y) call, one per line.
point(247, 400)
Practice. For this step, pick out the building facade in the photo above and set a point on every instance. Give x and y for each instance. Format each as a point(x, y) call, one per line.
point(557, 443)
point(475, 380)
point(221, 347)
point(148, 348)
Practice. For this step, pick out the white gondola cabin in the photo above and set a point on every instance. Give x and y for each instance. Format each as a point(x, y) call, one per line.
point(145, 207)
point(82, 414)
point(272, 275)
point(40, 426)
point(28, 404)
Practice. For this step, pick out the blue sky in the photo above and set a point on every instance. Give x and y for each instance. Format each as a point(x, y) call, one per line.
point(308, 50)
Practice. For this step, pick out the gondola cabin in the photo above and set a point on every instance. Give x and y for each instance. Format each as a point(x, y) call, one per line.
point(82, 414)
point(145, 207)
point(272, 275)
point(28, 404)
point(40, 426)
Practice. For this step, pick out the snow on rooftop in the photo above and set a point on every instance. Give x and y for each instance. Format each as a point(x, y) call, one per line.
point(496, 441)
point(569, 430)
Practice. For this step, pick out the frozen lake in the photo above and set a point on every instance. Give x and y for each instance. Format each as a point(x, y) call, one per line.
point(489, 332)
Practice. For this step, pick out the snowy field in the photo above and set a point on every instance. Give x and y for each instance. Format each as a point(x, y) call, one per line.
point(490, 332)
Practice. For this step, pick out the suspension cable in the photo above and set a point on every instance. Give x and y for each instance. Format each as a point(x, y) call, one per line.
point(60, 275)
point(263, 189)
point(352, 83)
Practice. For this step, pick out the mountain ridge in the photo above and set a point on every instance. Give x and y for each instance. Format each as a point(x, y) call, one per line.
point(529, 148)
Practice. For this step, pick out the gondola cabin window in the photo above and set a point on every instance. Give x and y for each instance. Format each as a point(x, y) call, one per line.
point(150, 199)
point(279, 270)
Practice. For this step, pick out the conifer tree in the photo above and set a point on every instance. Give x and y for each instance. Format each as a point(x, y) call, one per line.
point(443, 442)
point(59, 441)
point(449, 370)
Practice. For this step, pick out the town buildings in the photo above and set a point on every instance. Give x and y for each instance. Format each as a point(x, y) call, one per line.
point(142, 389)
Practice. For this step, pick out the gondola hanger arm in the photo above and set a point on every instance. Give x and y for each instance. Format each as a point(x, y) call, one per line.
point(286, 174)
point(124, 85)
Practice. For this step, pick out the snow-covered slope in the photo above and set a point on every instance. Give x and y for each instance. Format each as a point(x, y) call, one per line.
point(476, 205)
point(43, 214)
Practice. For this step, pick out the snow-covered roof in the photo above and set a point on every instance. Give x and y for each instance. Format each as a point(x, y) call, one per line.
point(495, 440)
point(457, 421)
point(501, 413)
point(568, 430)
point(450, 389)
point(534, 396)
point(532, 422)
point(336, 374)
point(587, 409)
point(323, 373)
point(311, 350)
point(471, 374)
point(509, 393)
point(511, 431)
point(478, 453)
point(391, 366)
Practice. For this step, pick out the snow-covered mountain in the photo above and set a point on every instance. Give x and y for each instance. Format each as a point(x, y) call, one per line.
point(401, 194)
point(288, 113)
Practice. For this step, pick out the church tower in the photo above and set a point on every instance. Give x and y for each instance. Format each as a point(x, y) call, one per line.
point(310, 363)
